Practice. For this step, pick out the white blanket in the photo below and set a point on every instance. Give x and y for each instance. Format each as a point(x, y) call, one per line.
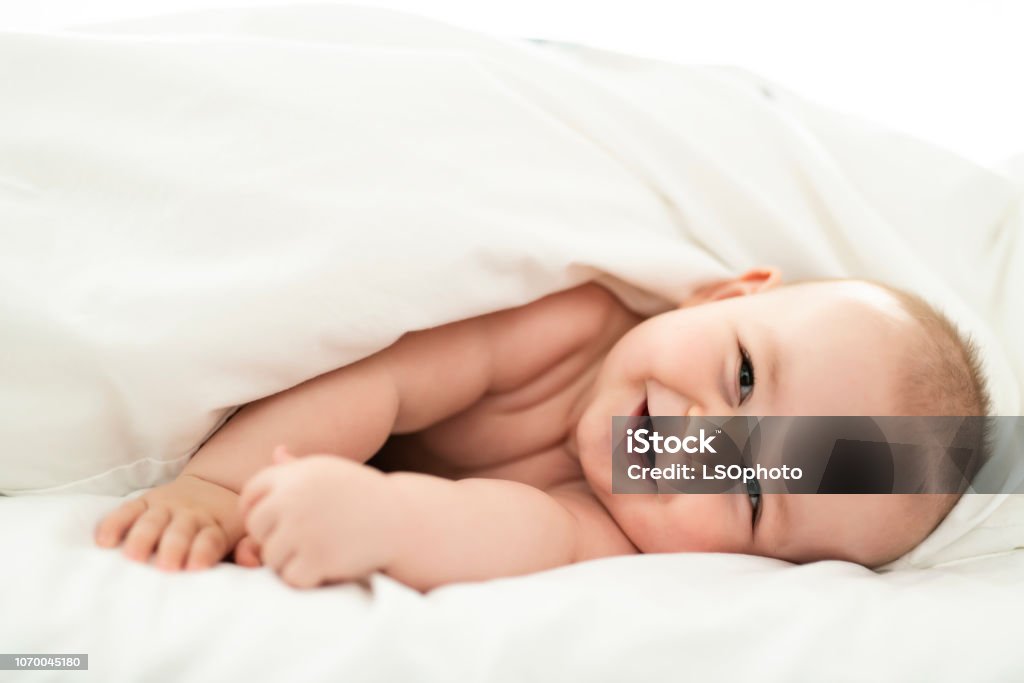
point(201, 210)
point(700, 617)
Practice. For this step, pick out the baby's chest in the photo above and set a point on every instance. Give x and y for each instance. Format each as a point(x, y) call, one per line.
point(519, 435)
point(546, 357)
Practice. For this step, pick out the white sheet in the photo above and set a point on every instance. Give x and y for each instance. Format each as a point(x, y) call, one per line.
point(673, 617)
point(187, 205)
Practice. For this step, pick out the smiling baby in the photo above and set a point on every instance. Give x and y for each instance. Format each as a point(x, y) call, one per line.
point(482, 448)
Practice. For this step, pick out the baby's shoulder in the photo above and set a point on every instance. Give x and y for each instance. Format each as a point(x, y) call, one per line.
point(528, 339)
point(585, 303)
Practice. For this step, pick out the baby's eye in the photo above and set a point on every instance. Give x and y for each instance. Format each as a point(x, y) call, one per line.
point(754, 492)
point(746, 376)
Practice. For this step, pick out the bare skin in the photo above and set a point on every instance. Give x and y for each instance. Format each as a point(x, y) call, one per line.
point(489, 441)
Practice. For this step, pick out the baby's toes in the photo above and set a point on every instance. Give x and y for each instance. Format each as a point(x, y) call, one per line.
point(176, 541)
point(144, 534)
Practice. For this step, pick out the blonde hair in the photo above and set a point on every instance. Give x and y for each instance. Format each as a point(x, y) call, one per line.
point(945, 377)
point(945, 374)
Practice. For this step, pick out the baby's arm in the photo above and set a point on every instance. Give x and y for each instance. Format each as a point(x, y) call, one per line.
point(475, 529)
point(193, 521)
point(322, 520)
point(420, 380)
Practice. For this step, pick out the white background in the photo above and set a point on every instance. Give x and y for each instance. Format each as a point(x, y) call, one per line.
point(948, 71)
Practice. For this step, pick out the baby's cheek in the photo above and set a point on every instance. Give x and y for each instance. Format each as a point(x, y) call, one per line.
point(630, 358)
point(695, 523)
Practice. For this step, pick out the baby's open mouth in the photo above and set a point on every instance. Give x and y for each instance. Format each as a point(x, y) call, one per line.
point(645, 423)
point(641, 411)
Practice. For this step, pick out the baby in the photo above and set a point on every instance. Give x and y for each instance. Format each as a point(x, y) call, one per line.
point(482, 448)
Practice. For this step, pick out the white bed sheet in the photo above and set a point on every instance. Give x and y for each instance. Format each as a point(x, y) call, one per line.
point(673, 617)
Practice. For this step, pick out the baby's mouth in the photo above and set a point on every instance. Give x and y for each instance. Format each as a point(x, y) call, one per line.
point(641, 411)
point(645, 423)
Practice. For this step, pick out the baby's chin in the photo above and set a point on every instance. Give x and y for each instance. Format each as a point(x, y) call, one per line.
point(595, 460)
point(592, 429)
point(682, 522)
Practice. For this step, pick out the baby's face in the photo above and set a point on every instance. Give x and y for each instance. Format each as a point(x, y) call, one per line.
point(830, 348)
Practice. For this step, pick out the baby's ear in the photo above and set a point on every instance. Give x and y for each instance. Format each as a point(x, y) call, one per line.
point(751, 282)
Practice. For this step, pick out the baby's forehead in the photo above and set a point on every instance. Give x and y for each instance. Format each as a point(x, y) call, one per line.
point(832, 348)
point(850, 298)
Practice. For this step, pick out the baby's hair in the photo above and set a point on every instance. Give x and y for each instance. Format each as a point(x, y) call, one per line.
point(942, 376)
point(946, 375)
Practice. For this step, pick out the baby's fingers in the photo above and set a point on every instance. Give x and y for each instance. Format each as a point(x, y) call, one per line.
point(176, 540)
point(111, 530)
point(208, 547)
point(145, 533)
point(255, 489)
point(247, 553)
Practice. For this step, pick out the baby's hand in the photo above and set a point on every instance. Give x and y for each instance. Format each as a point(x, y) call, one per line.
point(318, 519)
point(190, 523)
